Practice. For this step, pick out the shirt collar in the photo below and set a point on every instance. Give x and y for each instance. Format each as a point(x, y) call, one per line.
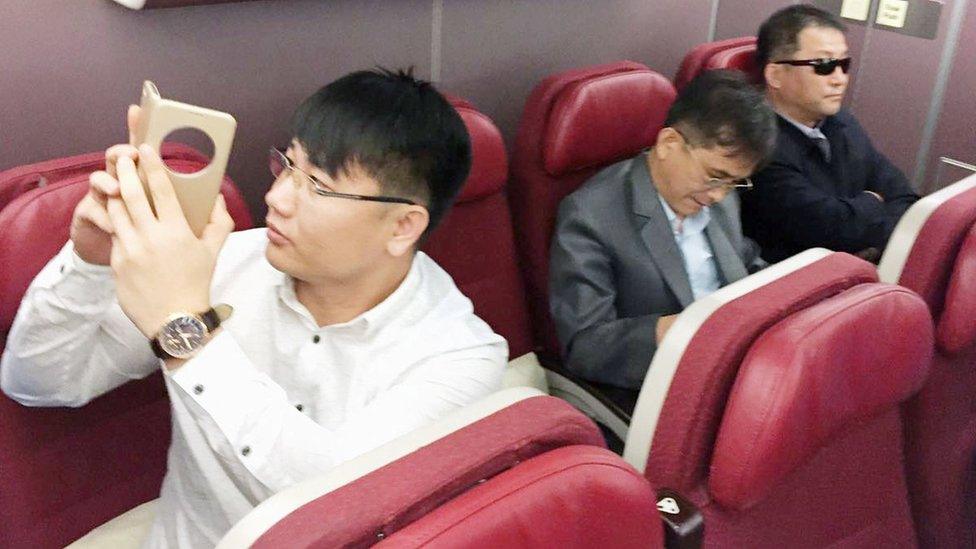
point(812, 133)
point(375, 317)
point(691, 224)
point(387, 309)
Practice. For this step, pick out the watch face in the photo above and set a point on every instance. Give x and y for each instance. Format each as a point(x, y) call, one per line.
point(182, 336)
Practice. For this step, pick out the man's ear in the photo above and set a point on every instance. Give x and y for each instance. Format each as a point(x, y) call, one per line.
point(410, 222)
point(668, 141)
point(772, 74)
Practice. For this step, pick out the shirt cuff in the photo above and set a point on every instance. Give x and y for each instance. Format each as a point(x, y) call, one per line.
point(91, 269)
point(77, 283)
point(234, 395)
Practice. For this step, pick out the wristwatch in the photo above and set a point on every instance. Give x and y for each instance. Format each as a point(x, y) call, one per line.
point(184, 334)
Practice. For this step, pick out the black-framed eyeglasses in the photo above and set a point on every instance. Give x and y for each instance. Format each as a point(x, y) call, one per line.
point(279, 162)
point(715, 182)
point(824, 66)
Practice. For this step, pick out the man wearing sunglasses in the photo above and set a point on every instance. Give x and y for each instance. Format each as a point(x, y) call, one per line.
point(826, 186)
point(343, 336)
point(644, 238)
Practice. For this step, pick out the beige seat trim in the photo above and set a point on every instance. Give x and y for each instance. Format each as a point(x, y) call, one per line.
point(910, 226)
point(275, 508)
point(525, 371)
point(583, 400)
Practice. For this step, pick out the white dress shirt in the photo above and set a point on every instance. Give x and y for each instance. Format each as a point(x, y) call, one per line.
point(689, 233)
point(273, 399)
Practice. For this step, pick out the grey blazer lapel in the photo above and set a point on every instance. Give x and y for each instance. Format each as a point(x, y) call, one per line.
point(656, 232)
point(729, 263)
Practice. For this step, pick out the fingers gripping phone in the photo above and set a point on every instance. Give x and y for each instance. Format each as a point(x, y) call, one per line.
point(196, 192)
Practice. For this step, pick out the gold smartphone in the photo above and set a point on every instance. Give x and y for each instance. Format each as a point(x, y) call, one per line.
point(159, 117)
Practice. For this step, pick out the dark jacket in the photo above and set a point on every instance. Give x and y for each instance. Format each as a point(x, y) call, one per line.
point(801, 201)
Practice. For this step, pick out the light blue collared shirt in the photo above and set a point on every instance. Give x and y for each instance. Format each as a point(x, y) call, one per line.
point(700, 264)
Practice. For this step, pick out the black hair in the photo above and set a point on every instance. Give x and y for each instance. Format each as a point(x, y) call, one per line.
point(778, 36)
point(397, 128)
point(722, 108)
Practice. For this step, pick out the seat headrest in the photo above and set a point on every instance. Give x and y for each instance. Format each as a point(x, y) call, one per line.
point(42, 217)
point(489, 162)
point(812, 374)
point(609, 117)
point(16, 181)
point(957, 326)
point(695, 60)
point(740, 58)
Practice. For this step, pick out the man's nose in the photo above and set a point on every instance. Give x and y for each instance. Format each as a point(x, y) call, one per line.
point(716, 194)
point(281, 195)
point(838, 77)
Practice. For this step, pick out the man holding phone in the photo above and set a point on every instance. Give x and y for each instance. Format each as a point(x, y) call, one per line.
point(343, 336)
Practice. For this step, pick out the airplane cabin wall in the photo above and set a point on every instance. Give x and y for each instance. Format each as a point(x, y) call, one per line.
point(893, 93)
point(495, 55)
point(70, 67)
point(742, 17)
point(955, 134)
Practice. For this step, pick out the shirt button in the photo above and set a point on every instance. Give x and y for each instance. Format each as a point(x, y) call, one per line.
point(245, 450)
point(299, 407)
point(316, 339)
point(198, 389)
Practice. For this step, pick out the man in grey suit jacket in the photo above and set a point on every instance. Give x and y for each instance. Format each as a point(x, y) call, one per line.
point(645, 237)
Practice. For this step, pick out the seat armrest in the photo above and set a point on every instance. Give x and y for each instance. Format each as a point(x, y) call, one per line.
point(684, 525)
point(618, 401)
point(590, 399)
point(525, 371)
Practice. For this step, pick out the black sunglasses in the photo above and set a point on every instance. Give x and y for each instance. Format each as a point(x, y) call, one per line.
point(279, 162)
point(823, 66)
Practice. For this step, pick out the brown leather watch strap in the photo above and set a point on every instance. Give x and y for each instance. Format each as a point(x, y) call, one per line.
point(158, 350)
point(211, 319)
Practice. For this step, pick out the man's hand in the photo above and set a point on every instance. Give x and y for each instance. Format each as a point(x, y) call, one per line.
point(876, 195)
point(664, 324)
point(91, 228)
point(869, 254)
point(160, 266)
